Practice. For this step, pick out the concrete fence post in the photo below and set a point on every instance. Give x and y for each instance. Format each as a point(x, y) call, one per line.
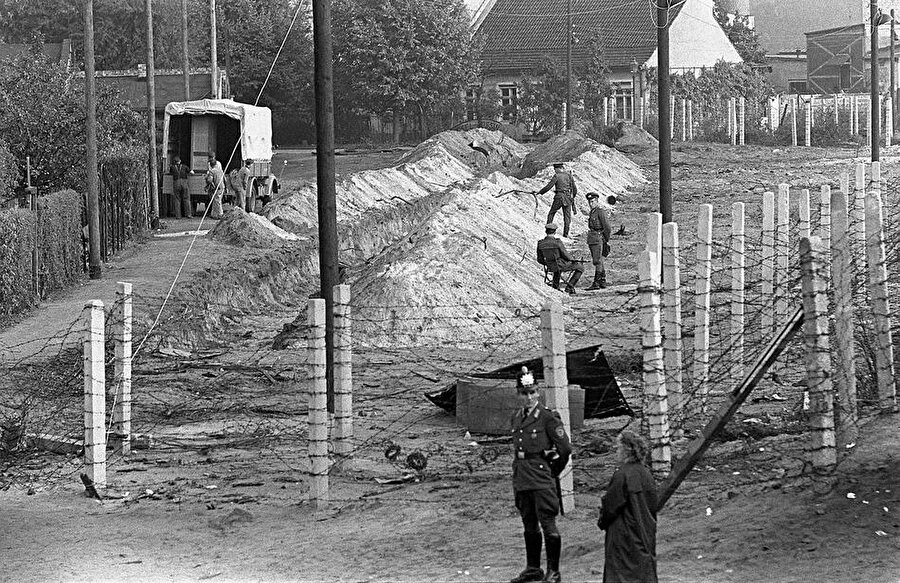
point(702, 285)
point(738, 263)
point(834, 102)
point(654, 234)
point(95, 393)
point(774, 113)
point(818, 356)
point(742, 120)
point(888, 121)
point(858, 228)
point(690, 119)
point(684, 119)
point(606, 111)
point(556, 379)
point(655, 400)
point(804, 227)
point(342, 434)
point(672, 117)
point(878, 291)
point(317, 406)
point(121, 414)
point(824, 230)
point(767, 313)
point(782, 249)
point(807, 129)
point(793, 121)
point(672, 348)
point(845, 353)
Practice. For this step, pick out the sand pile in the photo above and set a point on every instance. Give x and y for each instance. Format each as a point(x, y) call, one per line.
point(436, 253)
point(296, 211)
point(478, 148)
point(468, 273)
point(250, 230)
point(561, 148)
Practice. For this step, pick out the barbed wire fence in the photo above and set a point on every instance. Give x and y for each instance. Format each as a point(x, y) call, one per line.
point(244, 395)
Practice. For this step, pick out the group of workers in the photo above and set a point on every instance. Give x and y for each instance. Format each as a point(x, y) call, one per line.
point(552, 252)
point(215, 182)
point(541, 450)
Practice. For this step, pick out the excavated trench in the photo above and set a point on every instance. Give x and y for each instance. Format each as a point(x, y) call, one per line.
point(436, 248)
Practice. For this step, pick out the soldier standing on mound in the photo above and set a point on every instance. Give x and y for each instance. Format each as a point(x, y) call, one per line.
point(541, 450)
point(598, 238)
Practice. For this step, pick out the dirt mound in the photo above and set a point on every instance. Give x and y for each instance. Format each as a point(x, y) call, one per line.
point(467, 275)
point(559, 148)
point(478, 148)
point(634, 140)
point(362, 192)
point(250, 230)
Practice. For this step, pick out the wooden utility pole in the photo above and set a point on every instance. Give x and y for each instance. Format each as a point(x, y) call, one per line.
point(893, 76)
point(874, 138)
point(328, 239)
point(665, 115)
point(569, 65)
point(213, 52)
point(184, 50)
point(93, 181)
point(151, 119)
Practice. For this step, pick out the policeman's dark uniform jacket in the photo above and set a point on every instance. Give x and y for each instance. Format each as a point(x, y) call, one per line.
point(551, 245)
point(598, 236)
point(536, 432)
point(564, 199)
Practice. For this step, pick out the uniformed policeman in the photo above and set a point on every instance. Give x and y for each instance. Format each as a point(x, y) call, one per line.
point(564, 196)
point(598, 235)
point(541, 449)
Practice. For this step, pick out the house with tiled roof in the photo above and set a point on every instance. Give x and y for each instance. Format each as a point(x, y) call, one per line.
point(519, 33)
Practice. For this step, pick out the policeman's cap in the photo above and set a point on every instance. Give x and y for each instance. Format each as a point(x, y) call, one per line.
point(592, 196)
point(550, 227)
point(557, 164)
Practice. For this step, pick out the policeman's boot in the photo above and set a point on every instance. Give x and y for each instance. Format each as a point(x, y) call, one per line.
point(554, 549)
point(599, 281)
point(533, 571)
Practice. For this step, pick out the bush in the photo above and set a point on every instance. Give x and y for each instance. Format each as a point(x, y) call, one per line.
point(60, 240)
point(16, 241)
point(9, 172)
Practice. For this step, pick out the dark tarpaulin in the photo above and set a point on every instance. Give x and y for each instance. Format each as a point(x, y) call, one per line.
point(586, 367)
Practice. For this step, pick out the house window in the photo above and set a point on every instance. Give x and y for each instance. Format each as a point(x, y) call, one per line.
point(509, 97)
point(623, 97)
point(796, 85)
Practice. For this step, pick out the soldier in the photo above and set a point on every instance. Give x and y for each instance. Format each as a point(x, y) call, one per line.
point(180, 188)
point(598, 238)
point(541, 450)
point(553, 254)
point(564, 199)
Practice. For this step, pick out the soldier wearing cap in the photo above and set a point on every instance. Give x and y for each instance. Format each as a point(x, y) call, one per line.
point(598, 237)
point(541, 449)
point(564, 199)
point(553, 254)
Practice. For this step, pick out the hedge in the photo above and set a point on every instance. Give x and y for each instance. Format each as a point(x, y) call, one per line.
point(16, 240)
point(60, 249)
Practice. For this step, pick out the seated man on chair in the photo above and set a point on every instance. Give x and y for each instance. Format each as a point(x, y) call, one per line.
point(552, 253)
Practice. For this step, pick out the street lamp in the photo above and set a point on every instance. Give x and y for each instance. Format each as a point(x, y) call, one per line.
point(634, 71)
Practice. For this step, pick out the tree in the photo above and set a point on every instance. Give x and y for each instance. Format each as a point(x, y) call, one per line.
point(593, 80)
point(42, 115)
point(541, 97)
point(396, 56)
point(744, 38)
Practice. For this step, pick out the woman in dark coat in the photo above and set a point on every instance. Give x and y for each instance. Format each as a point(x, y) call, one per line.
point(628, 515)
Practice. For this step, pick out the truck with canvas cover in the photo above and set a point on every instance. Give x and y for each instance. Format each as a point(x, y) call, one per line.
point(234, 131)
